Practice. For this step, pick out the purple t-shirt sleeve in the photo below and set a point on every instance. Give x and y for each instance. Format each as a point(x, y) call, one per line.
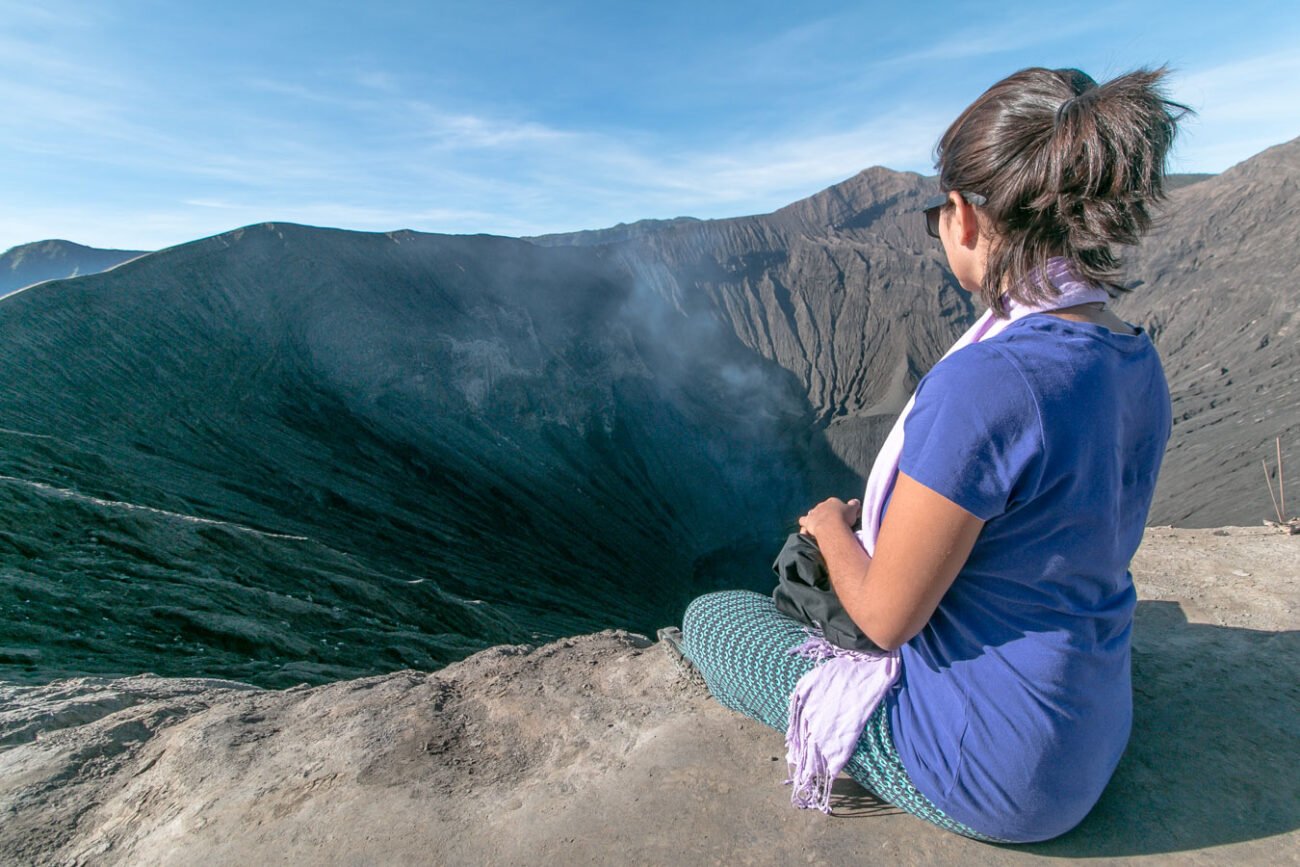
point(974, 433)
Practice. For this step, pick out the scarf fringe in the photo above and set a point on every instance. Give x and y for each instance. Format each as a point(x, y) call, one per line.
point(815, 756)
point(809, 770)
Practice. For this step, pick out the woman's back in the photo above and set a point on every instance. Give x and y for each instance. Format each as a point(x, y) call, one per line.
point(1015, 702)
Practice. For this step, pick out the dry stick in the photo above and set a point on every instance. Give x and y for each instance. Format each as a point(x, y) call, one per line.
point(1281, 479)
point(1268, 480)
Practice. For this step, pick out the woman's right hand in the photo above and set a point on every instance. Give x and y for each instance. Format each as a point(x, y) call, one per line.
point(833, 512)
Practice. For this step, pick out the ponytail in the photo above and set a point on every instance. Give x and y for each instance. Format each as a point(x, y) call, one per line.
point(1069, 168)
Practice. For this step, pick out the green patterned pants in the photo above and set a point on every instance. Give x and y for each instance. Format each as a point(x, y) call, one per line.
point(740, 643)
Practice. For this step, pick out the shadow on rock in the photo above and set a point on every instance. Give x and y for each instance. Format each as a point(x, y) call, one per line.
point(852, 801)
point(1213, 755)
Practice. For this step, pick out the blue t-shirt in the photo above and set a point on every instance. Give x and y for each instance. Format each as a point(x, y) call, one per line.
point(1015, 702)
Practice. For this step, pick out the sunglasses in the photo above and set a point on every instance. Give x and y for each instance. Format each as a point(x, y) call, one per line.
point(934, 205)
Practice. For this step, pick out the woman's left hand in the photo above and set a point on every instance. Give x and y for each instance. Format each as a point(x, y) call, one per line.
point(832, 513)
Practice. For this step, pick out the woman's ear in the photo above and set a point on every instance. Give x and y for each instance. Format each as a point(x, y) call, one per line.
point(965, 225)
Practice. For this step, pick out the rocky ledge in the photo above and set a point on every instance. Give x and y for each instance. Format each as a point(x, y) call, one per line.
point(598, 749)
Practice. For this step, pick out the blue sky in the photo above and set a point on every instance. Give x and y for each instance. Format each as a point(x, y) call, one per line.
point(143, 123)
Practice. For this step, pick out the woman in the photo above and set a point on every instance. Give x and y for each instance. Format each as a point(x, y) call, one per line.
point(1003, 511)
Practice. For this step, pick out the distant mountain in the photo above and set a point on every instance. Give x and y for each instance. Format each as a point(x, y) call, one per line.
point(621, 232)
point(54, 260)
point(1177, 182)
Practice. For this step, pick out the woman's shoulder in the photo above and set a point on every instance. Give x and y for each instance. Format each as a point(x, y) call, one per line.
point(1043, 345)
point(1044, 365)
point(1045, 334)
point(980, 384)
point(975, 371)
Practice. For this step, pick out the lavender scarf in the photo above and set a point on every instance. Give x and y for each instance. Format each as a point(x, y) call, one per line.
point(831, 703)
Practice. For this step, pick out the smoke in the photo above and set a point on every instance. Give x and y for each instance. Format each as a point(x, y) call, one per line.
point(752, 416)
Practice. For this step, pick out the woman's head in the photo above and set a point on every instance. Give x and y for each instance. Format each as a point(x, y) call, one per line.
point(1066, 167)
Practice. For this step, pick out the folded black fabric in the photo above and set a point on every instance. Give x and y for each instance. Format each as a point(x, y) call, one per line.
point(804, 593)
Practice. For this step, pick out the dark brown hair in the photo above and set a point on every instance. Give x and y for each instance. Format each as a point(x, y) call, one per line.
point(1069, 167)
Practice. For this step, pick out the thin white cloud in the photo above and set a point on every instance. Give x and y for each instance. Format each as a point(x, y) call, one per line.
point(377, 79)
point(1244, 106)
point(998, 37)
point(775, 171)
point(44, 87)
point(480, 132)
point(416, 119)
point(216, 204)
point(33, 57)
point(297, 90)
point(329, 213)
point(1246, 89)
point(68, 15)
point(795, 50)
point(36, 105)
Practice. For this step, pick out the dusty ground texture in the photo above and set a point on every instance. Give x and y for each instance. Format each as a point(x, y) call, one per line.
point(595, 749)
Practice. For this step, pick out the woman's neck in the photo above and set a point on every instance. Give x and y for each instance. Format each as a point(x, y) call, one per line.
point(1095, 313)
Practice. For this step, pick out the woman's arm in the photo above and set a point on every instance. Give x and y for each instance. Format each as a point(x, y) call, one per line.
point(923, 543)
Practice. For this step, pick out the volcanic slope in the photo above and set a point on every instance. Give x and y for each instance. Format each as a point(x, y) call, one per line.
point(1219, 299)
point(286, 454)
point(32, 263)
